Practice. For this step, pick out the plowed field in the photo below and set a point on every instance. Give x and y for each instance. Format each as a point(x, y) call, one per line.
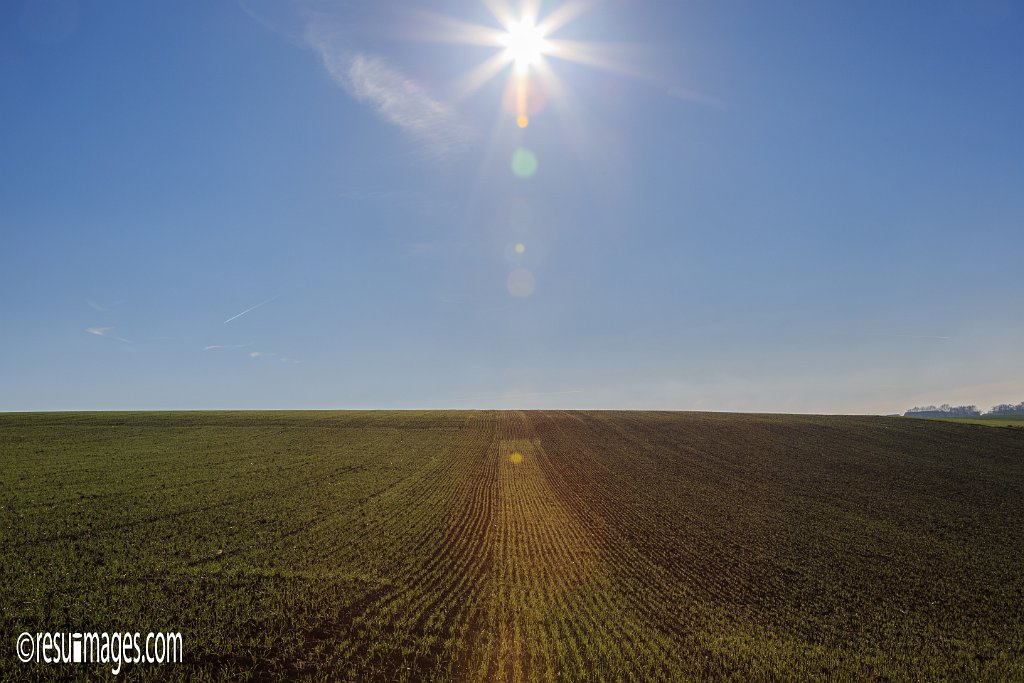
point(518, 546)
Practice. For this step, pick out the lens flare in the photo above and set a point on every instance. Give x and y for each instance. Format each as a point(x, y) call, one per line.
point(524, 163)
point(521, 283)
point(524, 97)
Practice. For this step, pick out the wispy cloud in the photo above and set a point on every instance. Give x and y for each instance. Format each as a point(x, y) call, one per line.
point(258, 354)
point(292, 361)
point(105, 332)
point(223, 347)
point(249, 310)
point(687, 95)
point(394, 96)
point(103, 308)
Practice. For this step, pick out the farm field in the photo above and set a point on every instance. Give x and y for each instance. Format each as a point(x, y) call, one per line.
point(509, 546)
point(990, 420)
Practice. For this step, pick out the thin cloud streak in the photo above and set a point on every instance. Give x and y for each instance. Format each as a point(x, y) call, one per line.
point(105, 332)
point(222, 347)
point(394, 97)
point(103, 309)
point(249, 310)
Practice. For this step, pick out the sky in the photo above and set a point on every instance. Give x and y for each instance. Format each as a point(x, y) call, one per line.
point(738, 206)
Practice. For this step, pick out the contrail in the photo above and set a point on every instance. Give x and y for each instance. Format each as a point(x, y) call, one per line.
point(248, 310)
point(102, 332)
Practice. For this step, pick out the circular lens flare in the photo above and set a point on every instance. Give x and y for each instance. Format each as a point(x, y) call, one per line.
point(521, 283)
point(524, 163)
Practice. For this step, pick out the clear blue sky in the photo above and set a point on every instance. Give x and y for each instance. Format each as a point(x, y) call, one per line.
point(787, 206)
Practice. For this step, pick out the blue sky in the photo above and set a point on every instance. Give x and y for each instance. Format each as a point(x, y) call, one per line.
point(792, 207)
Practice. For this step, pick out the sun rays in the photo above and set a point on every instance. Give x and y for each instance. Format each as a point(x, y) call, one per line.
point(525, 44)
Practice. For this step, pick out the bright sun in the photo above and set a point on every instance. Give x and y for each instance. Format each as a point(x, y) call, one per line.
point(525, 45)
point(526, 42)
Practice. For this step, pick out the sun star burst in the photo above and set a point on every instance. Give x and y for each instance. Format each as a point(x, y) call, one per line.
point(524, 45)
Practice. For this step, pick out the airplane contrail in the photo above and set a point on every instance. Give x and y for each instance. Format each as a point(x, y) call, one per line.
point(103, 332)
point(248, 310)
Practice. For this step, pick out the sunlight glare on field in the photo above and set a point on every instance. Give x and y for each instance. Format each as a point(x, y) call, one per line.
point(516, 458)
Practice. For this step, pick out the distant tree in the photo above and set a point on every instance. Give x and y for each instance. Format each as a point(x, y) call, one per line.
point(966, 411)
point(1007, 409)
point(945, 410)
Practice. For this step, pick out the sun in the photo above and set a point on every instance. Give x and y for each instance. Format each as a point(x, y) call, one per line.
point(524, 45)
point(527, 43)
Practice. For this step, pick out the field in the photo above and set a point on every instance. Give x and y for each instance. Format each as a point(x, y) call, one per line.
point(508, 546)
point(1016, 421)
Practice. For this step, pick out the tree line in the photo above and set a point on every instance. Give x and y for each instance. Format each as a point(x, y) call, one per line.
point(946, 410)
point(1007, 409)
